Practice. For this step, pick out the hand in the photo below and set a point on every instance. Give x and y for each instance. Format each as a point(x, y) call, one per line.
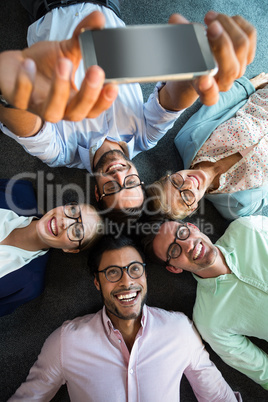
point(40, 79)
point(233, 43)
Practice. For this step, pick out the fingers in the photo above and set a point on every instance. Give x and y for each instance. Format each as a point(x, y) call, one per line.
point(54, 108)
point(92, 98)
point(233, 43)
point(24, 84)
point(105, 100)
point(251, 34)
point(207, 89)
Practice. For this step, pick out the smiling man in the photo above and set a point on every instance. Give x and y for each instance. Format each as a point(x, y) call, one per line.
point(118, 185)
point(127, 351)
point(108, 115)
point(232, 292)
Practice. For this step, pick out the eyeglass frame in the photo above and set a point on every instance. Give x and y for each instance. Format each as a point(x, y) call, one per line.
point(169, 257)
point(141, 183)
point(77, 221)
point(168, 176)
point(122, 270)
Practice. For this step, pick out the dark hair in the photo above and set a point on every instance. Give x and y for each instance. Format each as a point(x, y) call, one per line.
point(147, 241)
point(109, 243)
point(122, 215)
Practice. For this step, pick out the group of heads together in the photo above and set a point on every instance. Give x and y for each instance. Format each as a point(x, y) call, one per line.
point(121, 195)
point(119, 266)
point(176, 245)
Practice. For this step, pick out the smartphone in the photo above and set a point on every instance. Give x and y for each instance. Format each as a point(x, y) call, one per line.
point(147, 53)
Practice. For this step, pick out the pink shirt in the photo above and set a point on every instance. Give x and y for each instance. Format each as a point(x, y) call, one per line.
point(247, 133)
point(91, 357)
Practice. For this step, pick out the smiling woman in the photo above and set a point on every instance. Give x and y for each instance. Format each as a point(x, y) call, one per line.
point(224, 149)
point(71, 227)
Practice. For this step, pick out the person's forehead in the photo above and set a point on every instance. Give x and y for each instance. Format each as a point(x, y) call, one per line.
point(124, 172)
point(90, 220)
point(89, 216)
point(121, 257)
point(88, 212)
point(164, 238)
point(168, 229)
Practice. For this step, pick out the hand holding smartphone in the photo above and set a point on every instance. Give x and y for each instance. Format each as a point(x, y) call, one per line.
point(147, 53)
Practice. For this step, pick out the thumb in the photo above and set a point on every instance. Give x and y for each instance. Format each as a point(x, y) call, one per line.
point(95, 20)
point(71, 48)
point(177, 19)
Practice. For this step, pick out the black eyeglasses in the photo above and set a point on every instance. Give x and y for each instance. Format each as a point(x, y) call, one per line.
point(113, 187)
point(75, 231)
point(177, 181)
point(174, 249)
point(114, 273)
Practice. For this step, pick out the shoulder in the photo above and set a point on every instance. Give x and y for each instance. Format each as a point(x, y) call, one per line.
point(247, 224)
point(161, 317)
point(254, 222)
point(7, 214)
point(84, 324)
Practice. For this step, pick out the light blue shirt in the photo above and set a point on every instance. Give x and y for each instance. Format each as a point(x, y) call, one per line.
point(73, 144)
point(199, 128)
point(232, 307)
point(13, 258)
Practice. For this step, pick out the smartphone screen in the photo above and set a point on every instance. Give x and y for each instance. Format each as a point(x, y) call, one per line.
point(148, 53)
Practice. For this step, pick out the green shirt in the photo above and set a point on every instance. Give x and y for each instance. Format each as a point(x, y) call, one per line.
point(232, 307)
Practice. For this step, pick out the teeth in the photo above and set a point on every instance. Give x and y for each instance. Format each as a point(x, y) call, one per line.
point(115, 167)
point(127, 297)
point(198, 251)
point(196, 181)
point(53, 227)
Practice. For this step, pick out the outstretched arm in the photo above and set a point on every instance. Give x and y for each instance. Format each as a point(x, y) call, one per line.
point(204, 377)
point(233, 43)
point(46, 376)
point(40, 79)
point(243, 355)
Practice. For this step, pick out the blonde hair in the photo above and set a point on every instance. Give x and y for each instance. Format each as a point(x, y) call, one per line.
point(157, 201)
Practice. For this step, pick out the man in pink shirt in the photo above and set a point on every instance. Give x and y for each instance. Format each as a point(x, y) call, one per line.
point(127, 351)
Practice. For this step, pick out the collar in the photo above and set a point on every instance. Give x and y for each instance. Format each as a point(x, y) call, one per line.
point(211, 284)
point(108, 325)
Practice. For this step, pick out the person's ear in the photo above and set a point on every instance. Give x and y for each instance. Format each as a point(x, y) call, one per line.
point(74, 251)
point(97, 194)
point(96, 282)
point(174, 270)
point(193, 226)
